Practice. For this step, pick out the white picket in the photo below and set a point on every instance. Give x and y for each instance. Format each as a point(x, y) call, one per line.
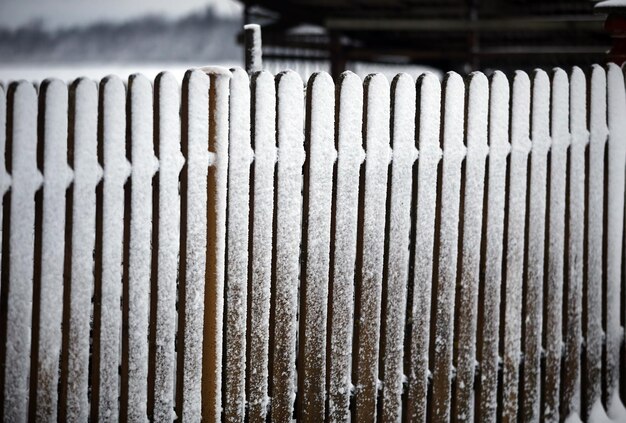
point(321, 156)
point(263, 105)
point(27, 179)
point(559, 132)
point(87, 174)
point(515, 236)
point(236, 292)
point(171, 161)
point(401, 184)
point(290, 135)
point(349, 159)
point(594, 335)
point(57, 177)
point(195, 141)
point(429, 98)
point(370, 267)
point(471, 237)
point(453, 155)
point(144, 165)
point(216, 245)
point(5, 178)
point(616, 102)
point(116, 172)
point(575, 247)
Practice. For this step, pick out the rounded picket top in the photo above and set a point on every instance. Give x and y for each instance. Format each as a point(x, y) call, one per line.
point(166, 80)
point(540, 111)
point(477, 112)
point(288, 78)
point(578, 102)
point(376, 81)
point(320, 80)
point(499, 103)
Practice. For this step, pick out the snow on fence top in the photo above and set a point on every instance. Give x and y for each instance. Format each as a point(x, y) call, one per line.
point(245, 248)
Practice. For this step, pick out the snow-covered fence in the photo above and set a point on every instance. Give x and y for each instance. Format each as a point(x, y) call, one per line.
point(251, 248)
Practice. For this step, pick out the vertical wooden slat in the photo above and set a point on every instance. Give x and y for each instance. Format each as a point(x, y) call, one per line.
point(370, 268)
point(237, 246)
point(472, 217)
point(171, 162)
point(429, 98)
point(515, 236)
point(559, 132)
point(349, 159)
point(5, 178)
point(57, 177)
point(262, 204)
point(453, 154)
point(193, 242)
point(26, 181)
point(616, 103)
point(575, 246)
point(144, 166)
point(320, 143)
point(404, 155)
point(216, 245)
point(595, 226)
point(289, 121)
point(116, 172)
point(535, 248)
point(87, 173)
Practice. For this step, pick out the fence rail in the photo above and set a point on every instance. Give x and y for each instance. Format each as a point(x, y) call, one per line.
point(242, 248)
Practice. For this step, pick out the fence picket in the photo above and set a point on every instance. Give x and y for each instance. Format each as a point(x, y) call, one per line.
point(87, 174)
point(194, 143)
point(370, 264)
point(472, 217)
point(262, 205)
point(57, 177)
point(399, 226)
point(429, 99)
point(515, 242)
point(5, 178)
point(236, 292)
point(349, 161)
point(615, 225)
point(171, 161)
point(116, 171)
point(289, 132)
point(595, 228)
point(453, 155)
point(321, 154)
point(144, 166)
point(27, 179)
point(575, 248)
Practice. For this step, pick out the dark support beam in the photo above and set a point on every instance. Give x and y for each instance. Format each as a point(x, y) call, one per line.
point(337, 56)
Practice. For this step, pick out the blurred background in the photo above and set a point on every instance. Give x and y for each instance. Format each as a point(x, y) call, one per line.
point(71, 38)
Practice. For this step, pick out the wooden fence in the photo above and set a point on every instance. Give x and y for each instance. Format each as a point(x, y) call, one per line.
point(243, 249)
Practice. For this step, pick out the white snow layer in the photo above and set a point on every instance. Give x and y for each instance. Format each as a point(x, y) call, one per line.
point(116, 172)
point(376, 140)
point(314, 293)
point(264, 136)
point(351, 155)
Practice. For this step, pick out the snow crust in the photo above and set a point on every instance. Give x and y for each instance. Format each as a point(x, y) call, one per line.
point(349, 159)
point(429, 99)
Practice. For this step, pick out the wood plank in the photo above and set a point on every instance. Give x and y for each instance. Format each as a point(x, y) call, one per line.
point(22, 103)
point(318, 191)
point(453, 155)
point(429, 99)
point(370, 261)
point(399, 227)
point(472, 216)
point(262, 213)
point(171, 161)
point(286, 273)
point(349, 161)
